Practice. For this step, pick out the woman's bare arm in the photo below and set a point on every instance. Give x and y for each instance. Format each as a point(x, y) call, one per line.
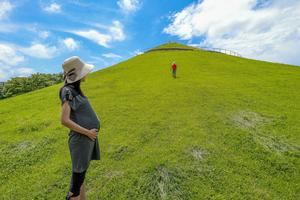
point(66, 121)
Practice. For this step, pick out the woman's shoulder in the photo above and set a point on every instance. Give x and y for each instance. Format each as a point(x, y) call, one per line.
point(69, 88)
point(67, 92)
point(71, 94)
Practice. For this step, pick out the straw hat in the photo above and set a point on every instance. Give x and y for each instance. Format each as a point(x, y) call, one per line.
point(75, 69)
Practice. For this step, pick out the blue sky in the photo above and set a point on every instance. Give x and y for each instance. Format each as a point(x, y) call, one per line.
point(36, 36)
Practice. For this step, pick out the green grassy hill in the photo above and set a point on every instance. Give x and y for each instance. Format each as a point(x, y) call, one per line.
point(226, 128)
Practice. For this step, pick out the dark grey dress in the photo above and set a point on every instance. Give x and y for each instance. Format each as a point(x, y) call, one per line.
point(82, 148)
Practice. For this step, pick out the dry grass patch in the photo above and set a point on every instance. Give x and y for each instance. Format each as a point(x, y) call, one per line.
point(249, 120)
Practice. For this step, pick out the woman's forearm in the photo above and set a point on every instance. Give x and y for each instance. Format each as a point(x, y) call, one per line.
point(75, 127)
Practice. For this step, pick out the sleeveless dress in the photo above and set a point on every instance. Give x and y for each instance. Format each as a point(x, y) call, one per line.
point(82, 148)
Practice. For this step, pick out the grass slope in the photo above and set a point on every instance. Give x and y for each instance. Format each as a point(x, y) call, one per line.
point(226, 128)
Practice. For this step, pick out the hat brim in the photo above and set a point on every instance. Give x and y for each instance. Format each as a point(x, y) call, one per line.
point(87, 68)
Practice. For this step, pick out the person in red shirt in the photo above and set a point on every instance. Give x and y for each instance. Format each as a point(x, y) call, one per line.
point(174, 68)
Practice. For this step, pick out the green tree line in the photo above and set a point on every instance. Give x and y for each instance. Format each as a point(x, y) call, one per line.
point(20, 85)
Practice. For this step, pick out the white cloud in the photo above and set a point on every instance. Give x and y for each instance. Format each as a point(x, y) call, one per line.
point(9, 72)
point(40, 51)
point(13, 55)
point(43, 34)
point(53, 8)
point(129, 5)
point(256, 29)
point(9, 56)
point(116, 31)
point(9, 59)
point(2, 75)
point(111, 55)
point(5, 8)
point(102, 61)
point(137, 52)
point(98, 61)
point(95, 36)
point(111, 33)
point(71, 44)
point(36, 30)
point(23, 71)
point(8, 28)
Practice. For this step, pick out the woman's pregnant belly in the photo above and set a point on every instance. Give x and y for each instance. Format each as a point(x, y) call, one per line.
point(86, 117)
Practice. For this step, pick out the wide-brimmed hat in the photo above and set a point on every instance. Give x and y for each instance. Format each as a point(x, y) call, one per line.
point(75, 69)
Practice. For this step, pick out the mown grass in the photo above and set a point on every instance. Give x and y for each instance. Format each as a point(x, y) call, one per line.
point(226, 128)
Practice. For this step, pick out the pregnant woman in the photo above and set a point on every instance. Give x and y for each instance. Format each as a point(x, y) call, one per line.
point(78, 115)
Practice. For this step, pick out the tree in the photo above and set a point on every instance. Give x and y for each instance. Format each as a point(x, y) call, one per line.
point(20, 85)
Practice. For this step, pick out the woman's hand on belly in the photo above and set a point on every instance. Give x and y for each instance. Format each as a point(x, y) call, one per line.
point(92, 134)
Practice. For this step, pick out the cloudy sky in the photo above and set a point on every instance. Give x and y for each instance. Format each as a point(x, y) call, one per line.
point(37, 35)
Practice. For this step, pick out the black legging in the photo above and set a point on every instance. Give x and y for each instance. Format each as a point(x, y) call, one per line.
point(76, 182)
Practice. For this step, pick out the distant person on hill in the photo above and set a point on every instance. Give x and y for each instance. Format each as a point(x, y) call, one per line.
point(78, 115)
point(174, 68)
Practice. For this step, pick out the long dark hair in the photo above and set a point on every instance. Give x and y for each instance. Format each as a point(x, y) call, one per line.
point(75, 85)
